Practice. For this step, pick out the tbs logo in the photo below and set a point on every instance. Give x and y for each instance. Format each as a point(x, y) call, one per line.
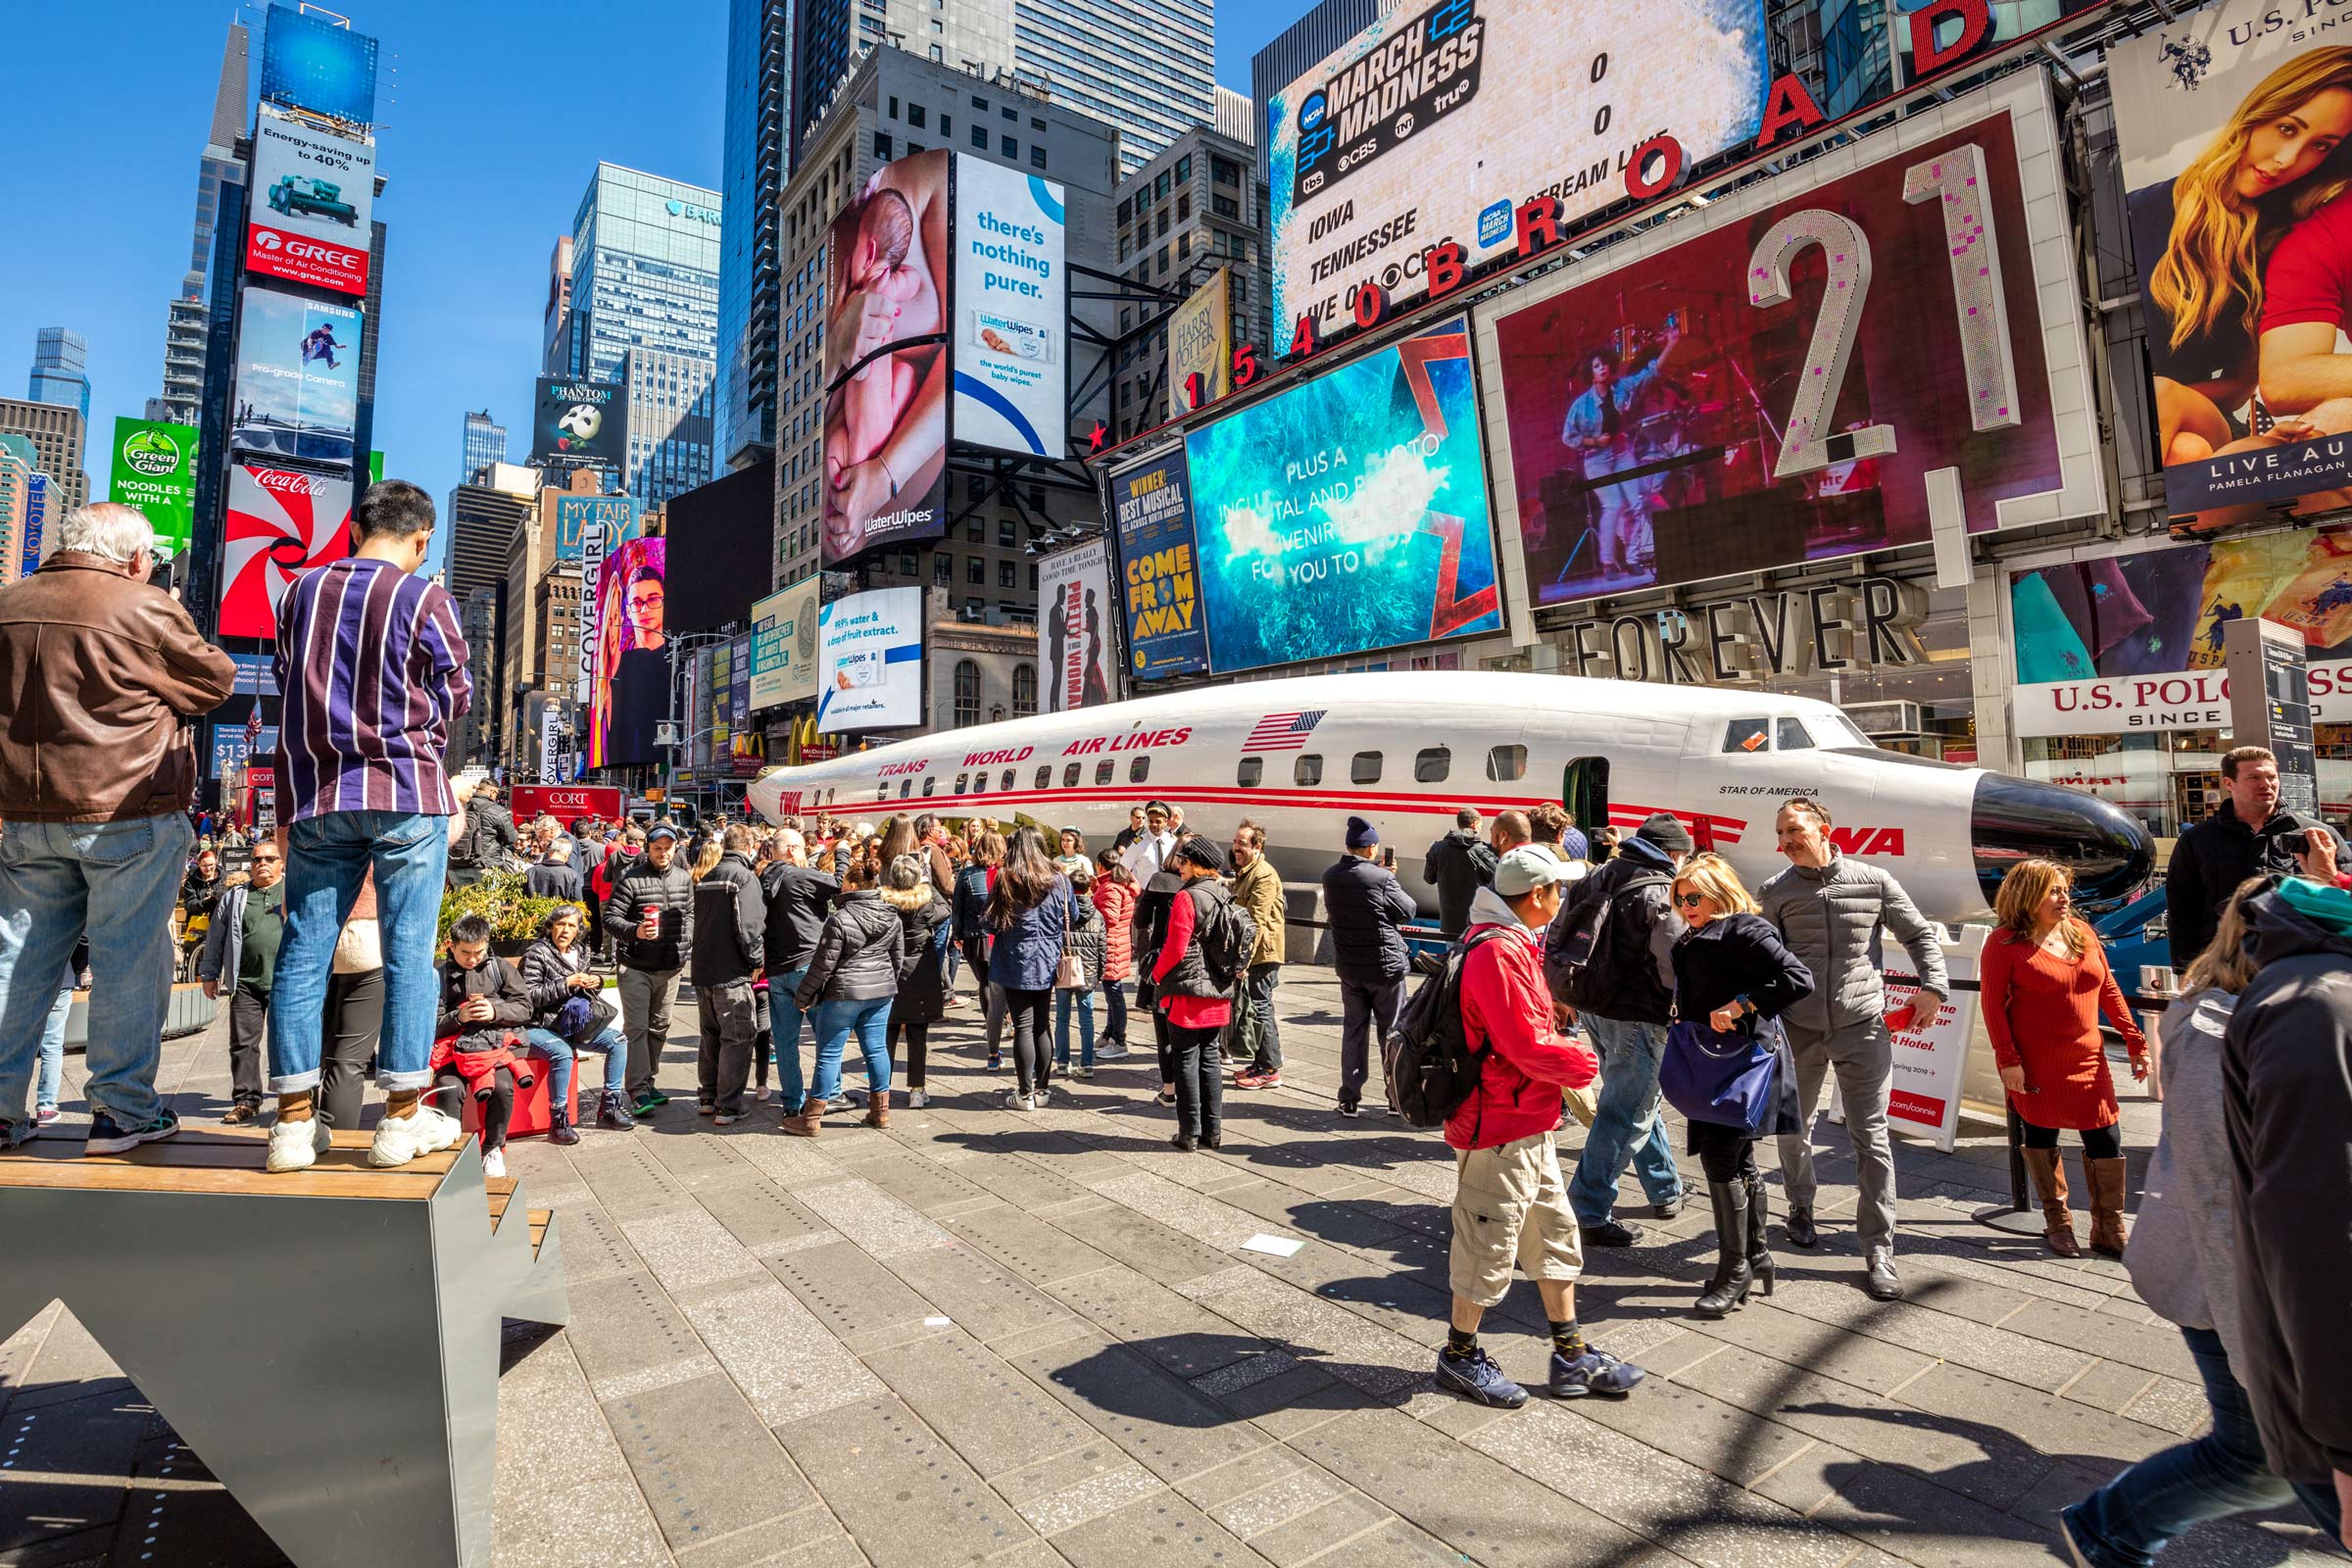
point(1494, 224)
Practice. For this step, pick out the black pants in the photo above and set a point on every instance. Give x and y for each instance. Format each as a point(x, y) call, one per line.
point(497, 1102)
point(2098, 1143)
point(355, 1021)
point(918, 1046)
point(724, 1062)
point(248, 1030)
point(1199, 1069)
point(1258, 995)
point(1725, 1153)
point(763, 1042)
point(1163, 1044)
point(1032, 1037)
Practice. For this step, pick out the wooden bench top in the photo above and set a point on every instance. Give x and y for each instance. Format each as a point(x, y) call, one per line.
point(224, 1161)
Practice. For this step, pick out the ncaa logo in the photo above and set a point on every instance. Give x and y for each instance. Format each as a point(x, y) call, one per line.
point(1311, 112)
point(1495, 224)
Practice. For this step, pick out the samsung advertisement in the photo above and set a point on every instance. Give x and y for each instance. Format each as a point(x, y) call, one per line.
point(1348, 513)
point(298, 378)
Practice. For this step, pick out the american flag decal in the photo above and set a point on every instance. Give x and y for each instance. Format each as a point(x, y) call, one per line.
point(1283, 732)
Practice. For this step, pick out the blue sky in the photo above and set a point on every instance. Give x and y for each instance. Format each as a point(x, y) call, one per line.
point(496, 116)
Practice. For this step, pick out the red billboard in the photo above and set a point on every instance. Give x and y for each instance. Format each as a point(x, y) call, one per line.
point(282, 524)
point(564, 802)
point(1787, 375)
point(282, 252)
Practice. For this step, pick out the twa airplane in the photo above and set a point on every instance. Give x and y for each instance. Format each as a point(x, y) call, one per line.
point(1405, 750)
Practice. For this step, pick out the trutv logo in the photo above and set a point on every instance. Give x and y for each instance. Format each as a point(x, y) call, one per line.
point(282, 252)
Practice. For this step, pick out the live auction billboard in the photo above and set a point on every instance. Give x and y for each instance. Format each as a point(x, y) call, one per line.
point(298, 377)
point(578, 421)
point(312, 191)
point(1348, 512)
point(1013, 308)
point(281, 524)
point(2233, 133)
point(1439, 120)
point(886, 362)
point(1159, 568)
point(1077, 653)
point(1786, 375)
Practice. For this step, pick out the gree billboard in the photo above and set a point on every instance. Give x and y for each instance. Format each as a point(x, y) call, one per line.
point(155, 471)
point(312, 193)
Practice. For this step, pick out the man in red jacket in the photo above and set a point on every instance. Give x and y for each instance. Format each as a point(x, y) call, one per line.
point(1509, 1203)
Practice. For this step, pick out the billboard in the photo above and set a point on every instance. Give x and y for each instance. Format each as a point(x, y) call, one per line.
point(281, 524)
point(37, 520)
point(885, 360)
point(568, 802)
point(1012, 306)
point(870, 661)
point(312, 193)
point(1437, 120)
point(578, 421)
point(231, 750)
point(2132, 643)
point(612, 517)
point(743, 740)
point(155, 471)
point(298, 378)
point(1159, 568)
point(1200, 343)
point(624, 646)
point(1077, 660)
point(2233, 131)
point(310, 62)
point(1348, 512)
point(784, 646)
point(1688, 407)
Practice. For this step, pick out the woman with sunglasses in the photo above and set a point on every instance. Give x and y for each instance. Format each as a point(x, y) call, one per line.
point(1732, 975)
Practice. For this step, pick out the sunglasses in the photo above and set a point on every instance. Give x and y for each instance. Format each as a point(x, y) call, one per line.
point(1690, 901)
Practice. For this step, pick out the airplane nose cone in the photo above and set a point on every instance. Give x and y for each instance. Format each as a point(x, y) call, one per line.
point(2015, 819)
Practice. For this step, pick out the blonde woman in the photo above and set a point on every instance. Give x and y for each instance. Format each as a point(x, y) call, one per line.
point(2278, 159)
point(2045, 982)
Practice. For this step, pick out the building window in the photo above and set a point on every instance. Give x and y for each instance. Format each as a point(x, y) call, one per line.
point(943, 569)
point(1010, 113)
point(1009, 147)
point(1126, 209)
point(1184, 169)
point(1007, 575)
point(980, 137)
point(882, 145)
point(967, 698)
point(1225, 207)
point(1005, 538)
point(975, 571)
point(1024, 694)
point(894, 108)
point(980, 104)
point(1037, 156)
point(1160, 186)
point(1224, 172)
point(947, 126)
point(1036, 123)
point(916, 114)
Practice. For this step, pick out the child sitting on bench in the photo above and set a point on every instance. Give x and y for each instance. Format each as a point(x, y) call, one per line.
point(477, 1039)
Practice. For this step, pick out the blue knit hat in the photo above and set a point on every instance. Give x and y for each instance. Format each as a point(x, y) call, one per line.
point(1362, 835)
point(1573, 843)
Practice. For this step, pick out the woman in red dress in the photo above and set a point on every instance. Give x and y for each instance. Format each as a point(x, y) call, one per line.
point(2045, 981)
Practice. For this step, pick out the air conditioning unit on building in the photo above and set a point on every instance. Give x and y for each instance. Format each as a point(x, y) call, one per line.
point(1887, 721)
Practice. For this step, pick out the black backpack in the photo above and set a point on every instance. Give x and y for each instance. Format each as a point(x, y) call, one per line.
point(1432, 1069)
point(1228, 936)
point(1576, 954)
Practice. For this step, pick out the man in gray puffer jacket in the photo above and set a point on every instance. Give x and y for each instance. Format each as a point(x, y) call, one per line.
point(1830, 911)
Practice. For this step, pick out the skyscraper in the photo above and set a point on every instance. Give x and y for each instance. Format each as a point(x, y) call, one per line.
point(1301, 47)
point(1149, 69)
point(55, 431)
point(486, 444)
point(60, 369)
point(753, 160)
point(184, 328)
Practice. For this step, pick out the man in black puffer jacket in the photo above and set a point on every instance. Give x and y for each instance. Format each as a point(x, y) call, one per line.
point(1458, 865)
point(651, 920)
point(2247, 836)
point(1366, 906)
point(731, 912)
point(798, 897)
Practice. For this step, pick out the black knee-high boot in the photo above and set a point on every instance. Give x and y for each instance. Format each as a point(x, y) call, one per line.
point(1729, 1288)
point(1759, 1216)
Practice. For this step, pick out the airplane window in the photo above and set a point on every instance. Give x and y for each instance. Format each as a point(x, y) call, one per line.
point(1139, 768)
point(1070, 777)
point(1851, 732)
point(1006, 782)
point(906, 788)
point(980, 782)
point(928, 782)
point(1103, 771)
point(882, 791)
point(1748, 735)
point(963, 779)
point(1506, 763)
point(1793, 736)
point(1044, 777)
point(1364, 768)
point(1250, 773)
point(1432, 765)
point(1307, 772)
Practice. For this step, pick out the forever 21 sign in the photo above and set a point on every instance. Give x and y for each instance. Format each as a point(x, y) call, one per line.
point(1788, 631)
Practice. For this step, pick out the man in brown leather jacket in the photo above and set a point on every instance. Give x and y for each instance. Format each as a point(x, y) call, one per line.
point(98, 672)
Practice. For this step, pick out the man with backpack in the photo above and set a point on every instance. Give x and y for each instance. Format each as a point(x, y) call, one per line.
point(1510, 1203)
point(1603, 958)
point(1366, 906)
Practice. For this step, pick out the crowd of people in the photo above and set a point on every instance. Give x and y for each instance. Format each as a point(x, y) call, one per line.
point(1609, 975)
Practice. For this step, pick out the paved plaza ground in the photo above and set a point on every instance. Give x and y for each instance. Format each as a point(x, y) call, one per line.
point(981, 1336)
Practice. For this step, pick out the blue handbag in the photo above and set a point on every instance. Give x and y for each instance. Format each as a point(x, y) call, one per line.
point(1726, 1079)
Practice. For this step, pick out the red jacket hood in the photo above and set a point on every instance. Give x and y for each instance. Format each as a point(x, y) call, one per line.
point(1507, 1008)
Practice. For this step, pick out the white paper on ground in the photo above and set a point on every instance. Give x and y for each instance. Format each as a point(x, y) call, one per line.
point(934, 1322)
point(1278, 1245)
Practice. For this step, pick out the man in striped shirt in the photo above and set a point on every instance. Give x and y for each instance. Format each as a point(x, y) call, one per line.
point(373, 663)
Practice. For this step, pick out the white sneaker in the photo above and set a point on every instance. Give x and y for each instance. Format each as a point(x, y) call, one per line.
point(296, 1145)
point(1015, 1100)
point(1086, 1074)
point(916, 1099)
point(400, 1139)
point(494, 1162)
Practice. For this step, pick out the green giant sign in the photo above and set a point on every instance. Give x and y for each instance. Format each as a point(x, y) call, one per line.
point(155, 471)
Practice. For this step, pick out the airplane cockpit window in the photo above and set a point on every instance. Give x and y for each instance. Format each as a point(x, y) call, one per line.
point(1103, 771)
point(929, 782)
point(1364, 768)
point(1139, 768)
point(1849, 733)
point(1044, 777)
point(1432, 765)
point(1250, 773)
point(1307, 772)
point(1748, 735)
point(1505, 763)
point(1070, 776)
point(1793, 736)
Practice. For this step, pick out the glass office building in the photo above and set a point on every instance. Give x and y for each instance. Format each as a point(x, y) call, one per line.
point(60, 369)
point(1148, 69)
point(759, 66)
point(485, 443)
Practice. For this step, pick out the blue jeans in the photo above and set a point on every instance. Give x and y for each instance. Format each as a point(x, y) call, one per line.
point(2128, 1521)
point(558, 1054)
point(1628, 1124)
point(835, 1020)
point(51, 1076)
point(115, 880)
point(784, 1017)
point(1084, 1000)
point(329, 857)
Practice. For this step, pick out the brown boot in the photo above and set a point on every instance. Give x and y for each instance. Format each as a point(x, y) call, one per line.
point(2106, 1182)
point(806, 1123)
point(2049, 1185)
point(878, 1108)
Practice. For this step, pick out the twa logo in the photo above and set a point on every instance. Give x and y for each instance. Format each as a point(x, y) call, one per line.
point(1867, 840)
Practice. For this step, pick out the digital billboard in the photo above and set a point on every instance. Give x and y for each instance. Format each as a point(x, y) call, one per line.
point(1077, 653)
point(743, 740)
point(1437, 120)
point(1783, 376)
point(784, 646)
point(281, 524)
point(310, 62)
point(2233, 136)
point(613, 518)
point(1348, 512)
point(574, 420)
point(298, 378)
point(1200, 343)
point(155, 471)
point(1012, 307)
point(308, 217)
point(1159, 568)
point(36, 522)
point(870, 661)
point(625, 643)
point(885, 360)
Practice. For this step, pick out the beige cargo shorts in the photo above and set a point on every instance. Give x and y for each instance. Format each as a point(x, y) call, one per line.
point(1510, 1207)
